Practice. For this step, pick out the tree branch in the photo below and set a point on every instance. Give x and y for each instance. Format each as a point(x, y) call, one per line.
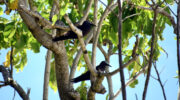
point(54, 10)
point(131, 80)
point(86, 12)
point(178, 47)
point(151, 53)
point(43, 37)
point(9, 81)
point(159, 80)
point(44, 22)
point(47, 75)
point(95, 39)
point(124, 65)
point(122, 77)
point(11, 61)
point(95, 20)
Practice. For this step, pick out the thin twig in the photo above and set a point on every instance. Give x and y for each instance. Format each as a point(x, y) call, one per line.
point(170, 9)
point(151, 53)
point(130, 16)
point(103, 51)
point(11, 62)
point(54, 10)
point(95, 20)
point(96, 35)
point(86, 12)
point(131, 80)
point(124, 65)
point(9, 81)
point(14, 94)
point(109, 8)
point(136, 96)
point(122, 77)
point(178, 52)
point(159, 80)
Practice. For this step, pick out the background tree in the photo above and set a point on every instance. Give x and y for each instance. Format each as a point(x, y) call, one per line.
point(36, 23)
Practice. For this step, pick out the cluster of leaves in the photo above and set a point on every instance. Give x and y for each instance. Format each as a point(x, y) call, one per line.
point(140, 24)
point(14, 33)
point(82, 89)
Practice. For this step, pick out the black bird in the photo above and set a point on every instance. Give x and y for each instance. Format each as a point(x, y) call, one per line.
point(85, 28)
point(86, 76)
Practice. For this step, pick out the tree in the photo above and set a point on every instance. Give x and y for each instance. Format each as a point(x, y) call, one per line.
point(36, 23)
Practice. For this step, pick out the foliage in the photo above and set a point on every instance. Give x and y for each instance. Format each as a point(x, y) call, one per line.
point(13, 32)
point(82, 89)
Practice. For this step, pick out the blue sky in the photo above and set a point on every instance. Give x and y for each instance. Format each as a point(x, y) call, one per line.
point(32, 75)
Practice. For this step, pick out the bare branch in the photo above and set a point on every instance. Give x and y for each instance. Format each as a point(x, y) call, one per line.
point(159, 80)
point(109, 9)
point(122, 77)
point(125, 65)
point(170, 9)
point(9, 81)
point(11, 62)
point(14, 95)
point(95, 20)
point(102, 50)
point(132, 80)
point(54, 10)
point(96, 35)
point(86, 12)
point(47, 75)
point(151, 53)
point(130, 16)
point(178, 50)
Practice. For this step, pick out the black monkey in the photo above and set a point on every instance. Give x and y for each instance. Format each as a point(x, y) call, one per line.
point(85, 28)
point(86, 76)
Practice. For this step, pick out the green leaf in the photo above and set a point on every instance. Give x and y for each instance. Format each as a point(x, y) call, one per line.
point(1, 11)
point(171, 2)
point(82, 89)
point(134, 83)
point(9, 27)
point(52, 80)
point(21, 42)
point(107, 96)
point(1, 27)
point(54, 19)
point(12, 33)
point(35, 46)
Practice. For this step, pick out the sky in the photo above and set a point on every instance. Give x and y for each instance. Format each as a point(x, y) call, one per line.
point(32, 75)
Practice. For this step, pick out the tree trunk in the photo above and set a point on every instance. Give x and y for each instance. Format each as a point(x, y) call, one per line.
point(62, 75)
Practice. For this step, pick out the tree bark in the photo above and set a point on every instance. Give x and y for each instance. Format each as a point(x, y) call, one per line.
point(61, 61)
point(62, 72)
point(47, 75)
